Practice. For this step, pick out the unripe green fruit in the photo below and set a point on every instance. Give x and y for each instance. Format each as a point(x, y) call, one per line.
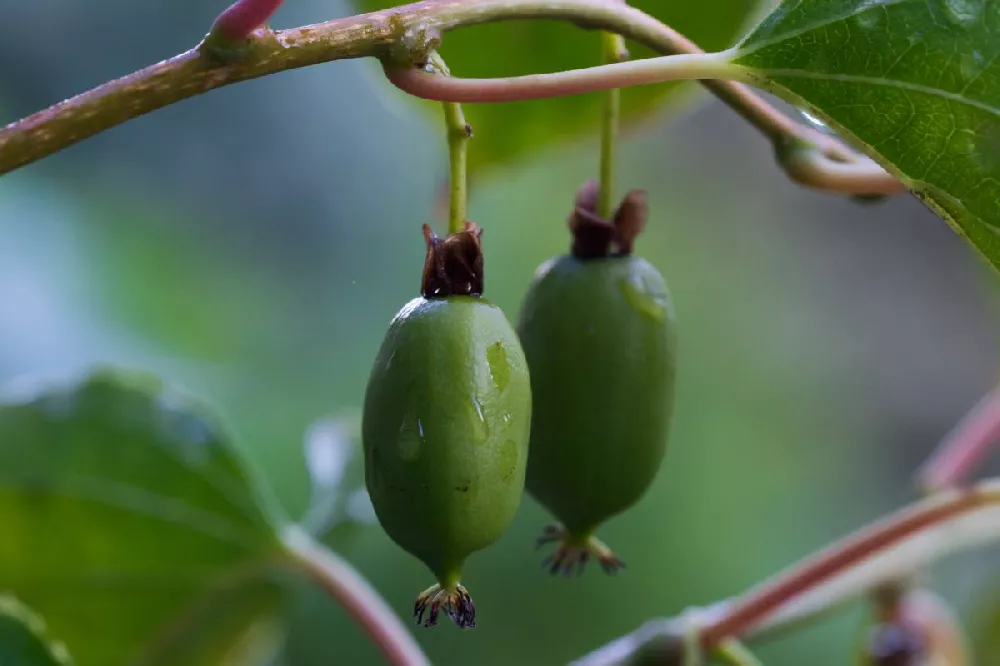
point(445, 429)
point(598, 334)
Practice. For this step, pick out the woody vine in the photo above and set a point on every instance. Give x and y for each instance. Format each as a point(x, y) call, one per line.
point(878, 561)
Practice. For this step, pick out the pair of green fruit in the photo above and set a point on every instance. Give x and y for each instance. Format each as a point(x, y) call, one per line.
point(455, 396)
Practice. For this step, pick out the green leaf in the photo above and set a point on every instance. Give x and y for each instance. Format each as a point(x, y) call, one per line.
point(23, 638)
point(913, 83)
point(126, 515)
point(509, 131)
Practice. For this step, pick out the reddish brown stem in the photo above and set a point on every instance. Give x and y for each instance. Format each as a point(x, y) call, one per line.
point(748, 611)
point(244, 16)
point(967, 444)
point(357, 597)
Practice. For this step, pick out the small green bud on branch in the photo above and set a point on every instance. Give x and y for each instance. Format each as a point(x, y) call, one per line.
point(243, 17)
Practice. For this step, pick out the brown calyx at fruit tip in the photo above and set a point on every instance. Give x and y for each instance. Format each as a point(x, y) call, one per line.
point(594, 236)
point(454, 264)
point(573, 552)
point(456, 604)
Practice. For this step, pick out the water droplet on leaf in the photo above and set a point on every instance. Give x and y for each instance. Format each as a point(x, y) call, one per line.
point(869, 15)
point(815, 122)
point(963, 13)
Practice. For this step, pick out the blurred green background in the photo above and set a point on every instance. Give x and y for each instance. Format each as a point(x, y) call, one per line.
point(252, 245)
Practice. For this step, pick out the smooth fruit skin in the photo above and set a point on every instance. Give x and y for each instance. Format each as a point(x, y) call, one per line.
point(599, 338)
point(445, 429)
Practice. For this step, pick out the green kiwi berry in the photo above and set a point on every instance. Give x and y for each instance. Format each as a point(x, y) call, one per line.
point(597, 329)
point(445, 424)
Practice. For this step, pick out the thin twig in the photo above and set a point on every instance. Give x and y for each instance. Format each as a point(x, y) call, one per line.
point(267, 52)
point(801, 592)
point(808, 165)
point(960, 451)
point(746, 612)
point(570, 82)
point(819, 163)
point(338, 579)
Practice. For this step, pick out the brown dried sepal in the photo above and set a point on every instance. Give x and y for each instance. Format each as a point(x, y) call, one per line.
point(455, 603)
point(454, 264)
point(594, 236)
point(572, 552)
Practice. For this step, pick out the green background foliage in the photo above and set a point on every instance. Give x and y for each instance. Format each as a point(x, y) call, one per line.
point(251, 246)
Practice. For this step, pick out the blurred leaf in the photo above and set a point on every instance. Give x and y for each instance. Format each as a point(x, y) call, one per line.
point(22, 638)
point(916, 84)
point(506, 132)
point(337, 494)
point(122, 504)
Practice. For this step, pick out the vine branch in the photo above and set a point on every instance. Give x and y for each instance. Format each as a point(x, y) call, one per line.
point(964, 447)
point(357, 597)
point(684, 67)
point(784, 599)
point(376, 34)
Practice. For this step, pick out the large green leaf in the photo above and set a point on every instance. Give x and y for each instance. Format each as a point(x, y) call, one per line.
point(914, 83)
point(504, 132)
point(122, 504)
point(23, 638)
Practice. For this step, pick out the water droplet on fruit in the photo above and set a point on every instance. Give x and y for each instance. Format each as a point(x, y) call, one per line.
point(411, 436)
point(496, 356)
point(480, 428)
point(652, 304)
point(963, 13)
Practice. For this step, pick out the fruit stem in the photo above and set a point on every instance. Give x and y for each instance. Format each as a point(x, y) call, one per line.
point(612, 50)
point(459, 132)
point(339, 580)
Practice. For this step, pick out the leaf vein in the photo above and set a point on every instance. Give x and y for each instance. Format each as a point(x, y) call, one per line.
point(878, 81)
point(792, 34)
point(137, 500)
